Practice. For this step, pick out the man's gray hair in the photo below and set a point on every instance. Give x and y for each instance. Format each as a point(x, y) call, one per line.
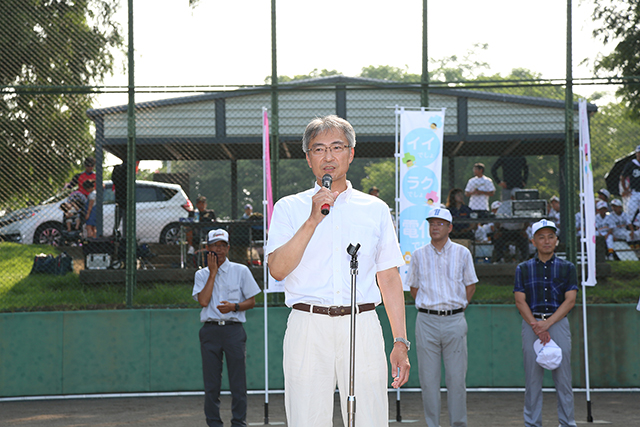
point(320, 125)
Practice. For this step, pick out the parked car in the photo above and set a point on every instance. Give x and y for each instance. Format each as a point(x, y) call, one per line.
point(159, 207)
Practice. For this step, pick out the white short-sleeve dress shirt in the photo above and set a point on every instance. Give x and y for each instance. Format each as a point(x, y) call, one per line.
point(441, 277)
point(234, 283)
point(323, 275)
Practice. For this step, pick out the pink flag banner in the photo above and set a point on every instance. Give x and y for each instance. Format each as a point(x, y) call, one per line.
point(267, 165)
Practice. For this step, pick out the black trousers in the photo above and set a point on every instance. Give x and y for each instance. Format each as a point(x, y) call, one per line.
point(230, 340)
point(121, 215)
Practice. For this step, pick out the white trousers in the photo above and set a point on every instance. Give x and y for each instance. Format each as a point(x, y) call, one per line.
point(622, 234)
point(633, 205)
point(316, 359)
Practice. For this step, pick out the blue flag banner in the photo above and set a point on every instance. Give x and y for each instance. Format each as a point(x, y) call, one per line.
point(421, 144)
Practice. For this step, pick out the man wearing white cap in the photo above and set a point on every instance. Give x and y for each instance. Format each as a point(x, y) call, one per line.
point(554, 210)
point(225, 290)
point(605, 227)
point(442, 280)
point(630, 181)
point(604, 195)
point(545, 291)
point(621, 223)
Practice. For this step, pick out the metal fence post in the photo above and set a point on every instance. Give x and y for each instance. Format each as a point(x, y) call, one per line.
point(570, 204)
point(131, 172)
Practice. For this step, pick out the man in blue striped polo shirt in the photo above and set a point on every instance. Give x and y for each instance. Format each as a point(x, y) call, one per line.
point(545, 291)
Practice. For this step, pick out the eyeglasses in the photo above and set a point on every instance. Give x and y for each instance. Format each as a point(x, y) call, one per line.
point(321, 150)
point(437, 224)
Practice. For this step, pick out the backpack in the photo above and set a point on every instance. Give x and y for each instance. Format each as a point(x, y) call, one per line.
point(48, 264)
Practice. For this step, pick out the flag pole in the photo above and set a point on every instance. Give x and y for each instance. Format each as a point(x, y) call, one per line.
point(266, 176)
point(585, 162)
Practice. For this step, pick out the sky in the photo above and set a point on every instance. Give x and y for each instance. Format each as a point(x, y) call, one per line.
point(229, 42)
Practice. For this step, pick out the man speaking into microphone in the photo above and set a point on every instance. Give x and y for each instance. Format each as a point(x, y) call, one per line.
point(307, 248)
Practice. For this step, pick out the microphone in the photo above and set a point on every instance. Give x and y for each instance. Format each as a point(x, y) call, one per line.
point(326, 183)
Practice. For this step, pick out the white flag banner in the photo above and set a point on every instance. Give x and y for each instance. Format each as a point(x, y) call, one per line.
point(588, 200)
point(421, 136)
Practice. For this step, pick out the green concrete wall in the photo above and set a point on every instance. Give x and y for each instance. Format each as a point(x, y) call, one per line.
point(158, 350)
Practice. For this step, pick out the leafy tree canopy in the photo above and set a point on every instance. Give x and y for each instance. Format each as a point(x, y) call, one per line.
point(312, 75)
point(49, 50)
point(620, 26)
point(388, 72)
point(455, 69)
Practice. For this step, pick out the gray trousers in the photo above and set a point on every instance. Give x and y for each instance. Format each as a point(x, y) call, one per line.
point(442, 337)
point(533, 372)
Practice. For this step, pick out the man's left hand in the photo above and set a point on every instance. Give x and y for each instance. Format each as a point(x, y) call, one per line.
point(539, 327)
point(399, 359)
point(226, 307)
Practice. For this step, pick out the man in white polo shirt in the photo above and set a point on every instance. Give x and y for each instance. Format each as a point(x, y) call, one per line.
point(225, 290)
point(308, 250)
point(442, 280)
point(479, 189)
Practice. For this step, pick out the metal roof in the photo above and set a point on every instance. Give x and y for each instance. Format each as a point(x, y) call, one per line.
point(227, 124)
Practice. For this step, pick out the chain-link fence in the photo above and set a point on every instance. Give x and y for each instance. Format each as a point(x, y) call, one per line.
point(63, 191)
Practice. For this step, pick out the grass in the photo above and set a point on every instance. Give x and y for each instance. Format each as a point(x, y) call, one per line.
point(20, 291)
point(621, 287)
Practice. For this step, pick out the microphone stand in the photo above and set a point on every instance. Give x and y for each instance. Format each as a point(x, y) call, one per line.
point(351, 399)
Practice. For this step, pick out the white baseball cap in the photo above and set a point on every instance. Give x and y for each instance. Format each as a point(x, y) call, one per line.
point(496, 204)
point(217, 235)
point(441, 213)
point(616, 202)
point(549, 355)
point(604, 192)
point(544, 223)
point(602, 204)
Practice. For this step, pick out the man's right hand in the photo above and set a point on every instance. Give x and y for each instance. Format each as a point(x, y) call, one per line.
point(212, 262)
point(323, 197)
point(544, 337)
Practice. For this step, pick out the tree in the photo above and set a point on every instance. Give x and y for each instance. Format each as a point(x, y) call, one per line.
point(448, 69)
point(382, 174)
point(388, 72)
point(453, 69)
point(614, 133)
point(51, 52)
point(315, 73)
point(620, 25)
point(523, 82)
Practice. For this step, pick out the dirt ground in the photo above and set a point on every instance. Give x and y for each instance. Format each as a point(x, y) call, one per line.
point(485, 409)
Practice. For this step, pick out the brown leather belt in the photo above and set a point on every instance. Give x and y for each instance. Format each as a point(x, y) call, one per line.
point(334, 310)
point(441, 312)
